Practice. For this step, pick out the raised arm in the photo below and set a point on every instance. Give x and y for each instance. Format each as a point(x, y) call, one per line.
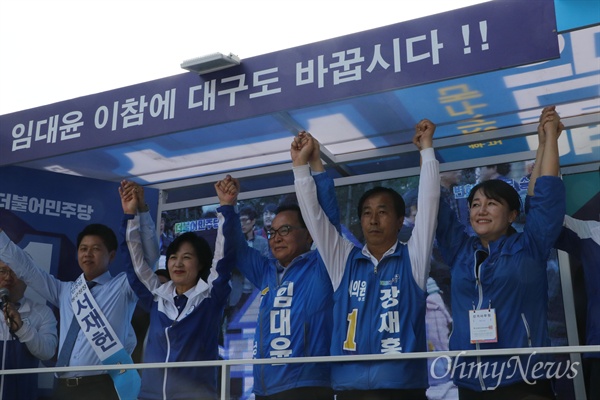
point(325, 187)
point(546, 157)
point(450, 233)
point(225, 256)
point(314, 157)
point(333, 249)
point(420, 244)
point(132, 191)
point(250, 261)
point(545, 204)
point(140, 275)
point(29, 272)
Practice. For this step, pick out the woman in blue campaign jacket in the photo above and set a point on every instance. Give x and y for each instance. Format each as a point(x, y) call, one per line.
point(185, 313)
point(500, 271)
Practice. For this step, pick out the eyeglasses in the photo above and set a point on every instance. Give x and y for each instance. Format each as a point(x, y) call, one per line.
point(4, 272)
point(283, 231)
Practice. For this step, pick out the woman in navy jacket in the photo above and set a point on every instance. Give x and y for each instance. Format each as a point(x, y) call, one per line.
point(185, 312)
point(499, 285)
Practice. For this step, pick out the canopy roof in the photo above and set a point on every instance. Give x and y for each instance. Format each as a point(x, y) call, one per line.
point(483, 81)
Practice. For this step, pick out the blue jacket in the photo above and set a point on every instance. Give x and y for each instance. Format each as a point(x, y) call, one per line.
point(295, 317)
point(368, 294)
point(512, 280)
point(190, 336)
point(379, 305)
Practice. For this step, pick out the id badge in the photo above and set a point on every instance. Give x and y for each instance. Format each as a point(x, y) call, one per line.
point(482, 326)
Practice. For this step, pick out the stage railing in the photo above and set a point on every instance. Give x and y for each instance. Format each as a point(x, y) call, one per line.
point(226, 365)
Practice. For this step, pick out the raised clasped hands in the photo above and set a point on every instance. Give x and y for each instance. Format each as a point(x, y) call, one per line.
point(305, 149)
point(423, 137)
point(550, 124)
point(227, 190)
point(130, 193)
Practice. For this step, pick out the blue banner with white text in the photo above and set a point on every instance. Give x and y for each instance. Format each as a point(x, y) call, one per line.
point(467, 41)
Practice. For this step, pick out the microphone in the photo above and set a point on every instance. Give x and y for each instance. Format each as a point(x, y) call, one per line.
point(4, 296)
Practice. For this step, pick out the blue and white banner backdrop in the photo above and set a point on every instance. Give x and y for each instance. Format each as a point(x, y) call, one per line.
point(43, 212)
point(467, 41)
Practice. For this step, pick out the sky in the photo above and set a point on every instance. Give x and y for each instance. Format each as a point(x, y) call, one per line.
point(55, 50)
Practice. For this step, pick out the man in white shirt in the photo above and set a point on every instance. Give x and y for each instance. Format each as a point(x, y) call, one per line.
point(28, 334)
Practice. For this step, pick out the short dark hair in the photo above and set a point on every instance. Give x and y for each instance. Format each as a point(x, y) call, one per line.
point(498, 190)
point(294, 208)
point(398, 201)
point(248, 211)
point(202, 248)
point(502, 169)
point(270, 207)
point(103, 232)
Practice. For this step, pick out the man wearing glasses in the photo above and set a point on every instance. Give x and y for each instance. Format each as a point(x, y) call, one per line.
point(295, 314)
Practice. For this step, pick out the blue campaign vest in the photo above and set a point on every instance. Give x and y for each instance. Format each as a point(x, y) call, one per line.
point(378, 311)
point(300, 312)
